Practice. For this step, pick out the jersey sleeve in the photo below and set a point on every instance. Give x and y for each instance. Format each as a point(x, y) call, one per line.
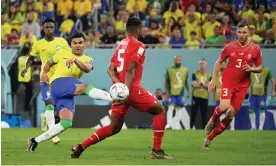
point(137, 52)
point(259, 59)
point(55, 58)
point(35, 50)
point(224, 54)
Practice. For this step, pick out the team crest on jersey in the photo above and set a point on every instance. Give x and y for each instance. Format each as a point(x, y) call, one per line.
point(58, 47)
point(249, 56)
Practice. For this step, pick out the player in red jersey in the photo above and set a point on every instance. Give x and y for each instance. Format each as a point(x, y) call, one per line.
point(126, 66)
point(242, 55)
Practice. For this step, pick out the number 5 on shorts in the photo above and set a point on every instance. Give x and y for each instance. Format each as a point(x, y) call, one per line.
point(224, 91)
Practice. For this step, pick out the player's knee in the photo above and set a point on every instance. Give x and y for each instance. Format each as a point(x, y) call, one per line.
point(50, 107)
point(231, 114)
point(81, 89)
point(66, 123)
point(159, 109)
point(48, 102)
point(224, 106)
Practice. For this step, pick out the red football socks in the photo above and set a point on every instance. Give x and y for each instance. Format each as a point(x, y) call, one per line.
point(217, 112)
point(98, 136)
point(219, 129)
point(158, 126)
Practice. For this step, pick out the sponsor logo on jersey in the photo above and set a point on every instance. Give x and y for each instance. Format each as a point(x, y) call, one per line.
point(241, 53)
point(233, 53)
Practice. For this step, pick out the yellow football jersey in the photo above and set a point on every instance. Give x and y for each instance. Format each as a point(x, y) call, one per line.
point(46, 49)
point(60, 59)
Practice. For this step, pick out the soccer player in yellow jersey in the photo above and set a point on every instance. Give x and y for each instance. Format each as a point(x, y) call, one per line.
point(65, 84)
point(45, 48)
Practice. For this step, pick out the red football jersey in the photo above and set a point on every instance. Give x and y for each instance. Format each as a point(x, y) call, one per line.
point(129, 49)
point(238, 55)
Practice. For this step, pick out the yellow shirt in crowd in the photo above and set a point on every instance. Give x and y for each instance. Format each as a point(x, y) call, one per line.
point(82, 8)
point(209, 27)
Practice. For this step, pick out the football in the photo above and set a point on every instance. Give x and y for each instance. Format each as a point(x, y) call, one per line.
point(119, 91)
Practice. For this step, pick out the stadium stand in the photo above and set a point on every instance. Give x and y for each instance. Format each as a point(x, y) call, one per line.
point(21, 20)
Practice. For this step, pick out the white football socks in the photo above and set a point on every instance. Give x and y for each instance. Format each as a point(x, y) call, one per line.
point(252, 118)
point(262, 120)
point(53, 131)
point(97, 93)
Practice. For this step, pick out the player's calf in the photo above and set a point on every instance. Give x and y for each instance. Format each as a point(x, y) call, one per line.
point(219, 110)
point(158, 126)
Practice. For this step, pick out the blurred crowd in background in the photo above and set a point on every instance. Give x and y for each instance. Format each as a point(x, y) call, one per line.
point(189, 24)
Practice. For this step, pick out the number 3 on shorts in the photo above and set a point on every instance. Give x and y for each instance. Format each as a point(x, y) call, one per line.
point(224, 91)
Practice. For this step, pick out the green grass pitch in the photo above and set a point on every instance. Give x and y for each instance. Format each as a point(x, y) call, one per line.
point(133, 147)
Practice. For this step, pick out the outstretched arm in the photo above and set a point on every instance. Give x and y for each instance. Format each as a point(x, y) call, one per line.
point(112, 72)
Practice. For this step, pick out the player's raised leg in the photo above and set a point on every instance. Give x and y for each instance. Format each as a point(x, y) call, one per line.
point(232, 106)
point(92, 92)
point(63, 90)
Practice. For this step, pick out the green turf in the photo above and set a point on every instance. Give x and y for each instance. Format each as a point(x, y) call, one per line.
point(133, 147)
